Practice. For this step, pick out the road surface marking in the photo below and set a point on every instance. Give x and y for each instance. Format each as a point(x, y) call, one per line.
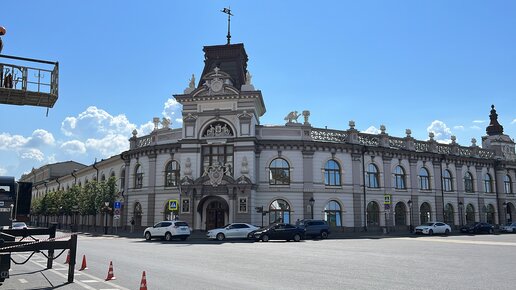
point(23, 281)
point(453, 241)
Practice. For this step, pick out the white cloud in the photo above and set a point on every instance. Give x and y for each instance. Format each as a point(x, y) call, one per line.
point(475, 127)
point(171, 109)
point(479, 121)
point(372, 130)
point(441, 132)
point(95, 122)
point(459, 127)
point(513, 121)
point(33, 154)
point(8, 141)
point(41, 137)
point(73, 147)
point(108, 146)
point(3, 171)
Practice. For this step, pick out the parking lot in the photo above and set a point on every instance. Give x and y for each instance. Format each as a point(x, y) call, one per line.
point(360, 262)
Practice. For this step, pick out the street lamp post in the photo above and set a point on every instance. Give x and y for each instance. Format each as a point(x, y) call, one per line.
point(410, 213)
point(461, 205)
point(106, 210)
point(311, 201)
point(12, 207)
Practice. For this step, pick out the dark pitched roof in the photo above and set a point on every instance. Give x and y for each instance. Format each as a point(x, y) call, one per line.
point(231, 59)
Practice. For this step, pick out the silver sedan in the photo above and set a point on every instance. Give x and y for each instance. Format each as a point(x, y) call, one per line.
point(231, 231)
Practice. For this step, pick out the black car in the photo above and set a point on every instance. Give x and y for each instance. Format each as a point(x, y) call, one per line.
point(478, 228)
point(314, 228)
point(278, 231)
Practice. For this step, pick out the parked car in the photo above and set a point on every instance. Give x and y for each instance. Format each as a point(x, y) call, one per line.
point(168, 230)
point(433, 228)
point(478, 228)
point(18, 225)
point(231, 231)
point(314, 228)
point(508, 228)
point(278, 231)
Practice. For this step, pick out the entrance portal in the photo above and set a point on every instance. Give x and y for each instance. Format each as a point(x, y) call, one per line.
point(214, 215)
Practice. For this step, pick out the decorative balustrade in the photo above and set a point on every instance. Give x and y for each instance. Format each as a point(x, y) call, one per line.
point(368, 140)
point(325, 135)
point(143, 141)
point(328, 135)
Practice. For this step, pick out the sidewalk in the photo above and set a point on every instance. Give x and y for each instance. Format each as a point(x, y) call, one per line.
point(199, 235)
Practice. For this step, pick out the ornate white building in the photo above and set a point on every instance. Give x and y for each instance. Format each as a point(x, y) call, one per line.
point(223, 166)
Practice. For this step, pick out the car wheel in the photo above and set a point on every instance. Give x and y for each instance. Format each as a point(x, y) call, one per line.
point(491, 231)
point(446, 232)
point(324, 235)
point(148, 236)
point(168, 236)
point(297, 238)
point(220, 237)
point(265, 238)
point(430, 232)
point(514, 230)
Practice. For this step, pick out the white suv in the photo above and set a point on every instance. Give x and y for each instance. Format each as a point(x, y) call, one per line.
point(168, 230)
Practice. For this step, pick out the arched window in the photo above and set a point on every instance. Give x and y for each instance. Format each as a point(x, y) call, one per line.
point(507, 184)
point(447, 180)
point(470, 214)
point(103, 177)
point(468, 182)
point(332, 173)
point(400, 214)
point(424, 179)
point(137, 214)
point(488, 183)
point(448, 214)
point(490, 214)
point(279, 172)
point(122, 180)
point(138, 176)
point(279, 211)
point(112, 174)
point(399, 178)
point(372, 176)
point(332, 214)
point(373, 214)
point(425, 213)
point(172, 174)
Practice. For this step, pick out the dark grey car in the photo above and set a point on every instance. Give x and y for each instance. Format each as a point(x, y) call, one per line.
point(314, 228)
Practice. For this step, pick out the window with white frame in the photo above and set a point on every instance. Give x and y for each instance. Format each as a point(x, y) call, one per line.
point(185, 205)
point(242, 205)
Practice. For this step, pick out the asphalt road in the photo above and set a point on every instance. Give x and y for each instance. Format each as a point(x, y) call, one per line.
point(453, 262)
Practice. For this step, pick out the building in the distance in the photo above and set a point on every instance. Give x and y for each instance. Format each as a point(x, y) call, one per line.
point(224, 166)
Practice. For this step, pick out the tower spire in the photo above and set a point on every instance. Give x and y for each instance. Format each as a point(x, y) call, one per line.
point(228, 12)
point(494, 127)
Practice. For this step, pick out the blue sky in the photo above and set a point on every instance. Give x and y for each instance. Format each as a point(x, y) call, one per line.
point(424, 65)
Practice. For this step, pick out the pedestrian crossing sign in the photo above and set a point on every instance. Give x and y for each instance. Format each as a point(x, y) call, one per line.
point(172, 204)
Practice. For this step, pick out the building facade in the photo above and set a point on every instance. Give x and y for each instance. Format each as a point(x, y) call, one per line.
point(224, 166)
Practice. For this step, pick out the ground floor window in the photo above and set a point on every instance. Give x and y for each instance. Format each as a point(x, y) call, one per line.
point(400, 214)
point(185, 205)
point(448, 214)
point(373, 214)
point(490, 214)
point(470, 214)
point(332, 214)
point(279, 212)
point(425, 213)
point(242, 204)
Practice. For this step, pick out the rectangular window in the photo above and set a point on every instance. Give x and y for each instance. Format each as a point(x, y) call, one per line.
point(214, 155)
point(185, 205)
point(242, 205)
point(139, 180)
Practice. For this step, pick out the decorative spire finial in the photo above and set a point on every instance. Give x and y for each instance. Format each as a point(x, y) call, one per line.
point(228, 12)
point(494, 127)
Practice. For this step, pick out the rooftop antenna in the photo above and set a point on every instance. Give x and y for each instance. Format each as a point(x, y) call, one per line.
point(228, 12)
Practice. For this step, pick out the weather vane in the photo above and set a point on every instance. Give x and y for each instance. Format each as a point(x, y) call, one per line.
point(228, 12)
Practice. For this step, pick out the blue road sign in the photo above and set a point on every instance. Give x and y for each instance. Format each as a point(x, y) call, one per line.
point(118, 204)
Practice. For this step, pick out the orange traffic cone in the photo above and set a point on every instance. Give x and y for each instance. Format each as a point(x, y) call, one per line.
point(110, 275)
point(67, 258)
point(83, 266)
point(143, 283)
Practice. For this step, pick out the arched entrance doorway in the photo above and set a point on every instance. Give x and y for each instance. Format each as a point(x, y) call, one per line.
point(470, 214)
point(425, 213)
point(215, 215)
point(137, 214)
point(400, 216)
